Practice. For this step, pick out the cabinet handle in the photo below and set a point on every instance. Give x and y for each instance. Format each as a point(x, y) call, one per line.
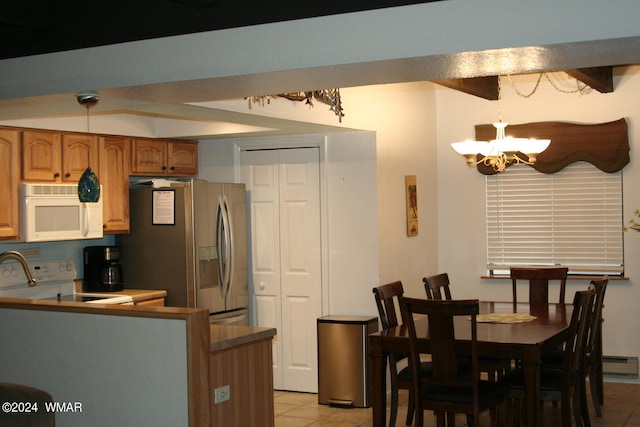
point(67, 175)
point(56, 175)
point(172, 168)
point(164, 168)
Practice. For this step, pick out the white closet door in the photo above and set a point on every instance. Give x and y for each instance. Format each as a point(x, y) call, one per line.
point(260, 175)
point(285, 216)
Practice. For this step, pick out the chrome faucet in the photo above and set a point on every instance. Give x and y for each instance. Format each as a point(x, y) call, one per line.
point(31, 282)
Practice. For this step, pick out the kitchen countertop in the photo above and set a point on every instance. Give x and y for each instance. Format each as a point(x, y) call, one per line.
point(226, 336)
point(135, 294)
point(139, 294)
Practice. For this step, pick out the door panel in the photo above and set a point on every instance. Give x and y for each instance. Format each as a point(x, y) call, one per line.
point(263, 217)
point(260, 173)
point(301, 357)
point(295, 228)
point(268, 315)
point(285, 207)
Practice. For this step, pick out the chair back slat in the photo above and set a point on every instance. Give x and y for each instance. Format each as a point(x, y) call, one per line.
point(445, 351)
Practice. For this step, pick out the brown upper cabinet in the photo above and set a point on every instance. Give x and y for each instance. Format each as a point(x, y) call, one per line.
point(115, 166)
point(57, 157)
point(9, 180)
point(153, 157)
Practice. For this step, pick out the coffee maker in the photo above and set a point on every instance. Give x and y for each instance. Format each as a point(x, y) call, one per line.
point(102, 270)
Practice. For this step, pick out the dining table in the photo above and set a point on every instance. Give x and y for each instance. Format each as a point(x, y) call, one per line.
point(522, 332)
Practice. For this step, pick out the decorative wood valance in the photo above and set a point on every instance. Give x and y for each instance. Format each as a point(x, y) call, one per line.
point(605, 145)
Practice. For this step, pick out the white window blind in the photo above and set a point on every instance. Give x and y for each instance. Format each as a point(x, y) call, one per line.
point(571, 218)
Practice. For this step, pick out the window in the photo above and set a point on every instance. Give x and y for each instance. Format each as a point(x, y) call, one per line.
point(572, 218)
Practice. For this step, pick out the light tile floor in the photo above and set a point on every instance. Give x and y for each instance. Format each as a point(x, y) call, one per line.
point(622, 408)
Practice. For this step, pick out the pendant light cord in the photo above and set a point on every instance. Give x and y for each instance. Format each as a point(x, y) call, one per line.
point(88, 132)
point(500, 98)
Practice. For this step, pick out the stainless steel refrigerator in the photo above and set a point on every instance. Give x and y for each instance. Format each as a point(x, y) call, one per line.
point(190, 238)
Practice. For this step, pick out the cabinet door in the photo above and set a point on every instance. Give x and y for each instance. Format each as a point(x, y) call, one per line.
point(41, 156)
point(9, 179)
point(115, 155)
point(149, 157)
point(79, 151)
point(183, 158)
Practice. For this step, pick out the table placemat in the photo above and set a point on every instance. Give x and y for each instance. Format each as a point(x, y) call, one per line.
point(505, 318)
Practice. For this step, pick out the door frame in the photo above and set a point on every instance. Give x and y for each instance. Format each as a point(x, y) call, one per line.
point(296, 141)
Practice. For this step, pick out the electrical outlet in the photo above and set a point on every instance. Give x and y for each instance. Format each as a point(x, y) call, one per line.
point(221, 394)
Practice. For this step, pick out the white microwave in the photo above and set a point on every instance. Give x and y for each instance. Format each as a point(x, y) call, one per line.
point(53, 212)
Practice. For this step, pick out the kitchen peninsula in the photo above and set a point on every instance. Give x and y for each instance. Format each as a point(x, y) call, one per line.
point(138, 365)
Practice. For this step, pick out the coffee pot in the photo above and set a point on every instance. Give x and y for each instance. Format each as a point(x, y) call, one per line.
point(102, 269)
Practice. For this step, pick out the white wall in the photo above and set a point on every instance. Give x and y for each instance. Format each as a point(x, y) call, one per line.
point(403, 117)
point(461, 219)
point(352, 222)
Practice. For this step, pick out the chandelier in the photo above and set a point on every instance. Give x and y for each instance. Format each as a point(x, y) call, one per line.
point(504, 151)
point(330, 97)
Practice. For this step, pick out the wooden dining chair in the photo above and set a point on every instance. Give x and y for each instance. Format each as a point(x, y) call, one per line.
point(538, 278)
point(387, 300)
point(593, 350)
point(438, 286)
point(593, 360)
point(567, 384)
point(453, 388)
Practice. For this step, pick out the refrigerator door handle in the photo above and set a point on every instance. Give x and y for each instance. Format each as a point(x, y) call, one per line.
point(222, 239)
point(219, 241)
point(230, 247)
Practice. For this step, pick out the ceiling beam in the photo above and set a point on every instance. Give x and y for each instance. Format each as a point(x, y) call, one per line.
point(484, 87)
point(598, 78)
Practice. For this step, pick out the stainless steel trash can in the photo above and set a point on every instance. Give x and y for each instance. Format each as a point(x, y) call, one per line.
point(343, 368)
